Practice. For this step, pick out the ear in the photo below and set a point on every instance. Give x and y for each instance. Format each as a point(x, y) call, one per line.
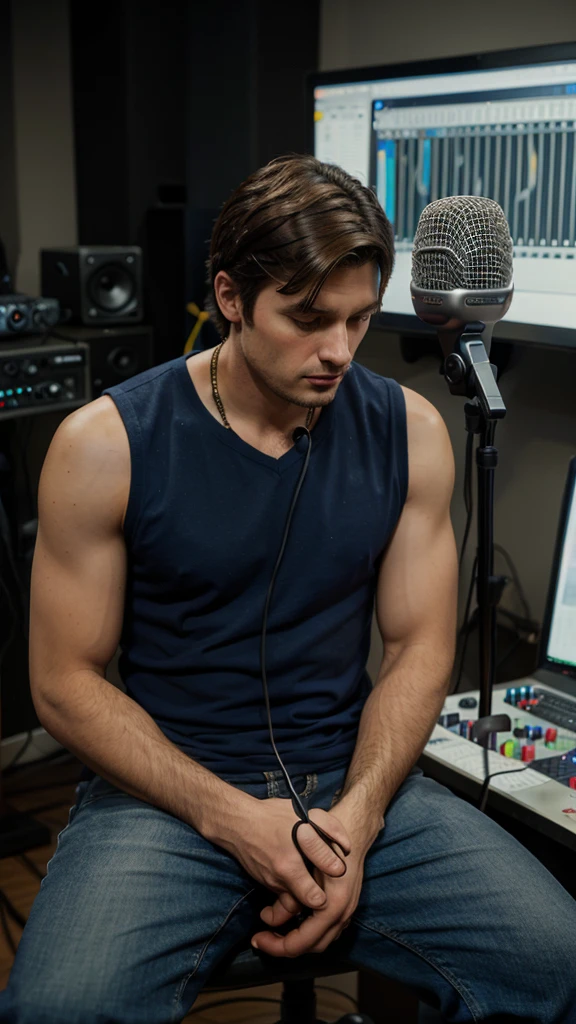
point(227, 297)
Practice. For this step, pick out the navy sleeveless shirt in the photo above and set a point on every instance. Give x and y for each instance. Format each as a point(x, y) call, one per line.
point(205, 519)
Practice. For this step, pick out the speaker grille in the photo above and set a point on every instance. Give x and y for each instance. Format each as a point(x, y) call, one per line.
point(462, 242)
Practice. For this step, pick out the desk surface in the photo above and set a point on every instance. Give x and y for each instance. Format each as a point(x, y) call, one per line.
point(546, 806)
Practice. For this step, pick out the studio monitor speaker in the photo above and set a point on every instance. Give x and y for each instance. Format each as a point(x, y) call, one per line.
point(116, 353)
point(99, 284)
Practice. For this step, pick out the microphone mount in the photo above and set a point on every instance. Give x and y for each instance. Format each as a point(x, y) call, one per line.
point(464, 319)
point(467, 368)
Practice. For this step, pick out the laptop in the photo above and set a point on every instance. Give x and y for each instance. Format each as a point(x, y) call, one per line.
point(557, 649)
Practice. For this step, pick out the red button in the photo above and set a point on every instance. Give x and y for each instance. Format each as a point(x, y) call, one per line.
point(551, 735)
point(528, 752)
point(572, 782)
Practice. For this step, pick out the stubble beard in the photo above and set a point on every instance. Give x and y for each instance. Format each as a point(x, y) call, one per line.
point(311, 402)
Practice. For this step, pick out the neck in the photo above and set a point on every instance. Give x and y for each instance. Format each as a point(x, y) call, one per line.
point(248, 401)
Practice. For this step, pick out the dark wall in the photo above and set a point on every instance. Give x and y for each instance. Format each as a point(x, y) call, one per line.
point(173, 106)
point(193, 93)
point(129, 99)
point(246, 103)
point(246, 90)
point(9, 233)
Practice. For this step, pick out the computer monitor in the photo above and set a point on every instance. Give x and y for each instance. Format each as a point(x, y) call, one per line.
point(558, 640)
point(501, 125)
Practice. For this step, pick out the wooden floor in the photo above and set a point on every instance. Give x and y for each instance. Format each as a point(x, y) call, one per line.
point(47, 793)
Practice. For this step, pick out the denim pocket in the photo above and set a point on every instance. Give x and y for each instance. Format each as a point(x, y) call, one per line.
point(95, 789)
point(81, 790)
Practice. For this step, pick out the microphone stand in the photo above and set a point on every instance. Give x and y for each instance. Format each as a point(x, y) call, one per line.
point(469, 372)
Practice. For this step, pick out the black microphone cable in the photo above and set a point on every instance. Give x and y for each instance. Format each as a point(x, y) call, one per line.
point(297, 804)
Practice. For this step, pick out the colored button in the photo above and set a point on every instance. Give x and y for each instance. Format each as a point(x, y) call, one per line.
point(452, 718)
point(507, 748)
point(551, 735)
point(533, 732)
point(572, 782)
point(528, 752)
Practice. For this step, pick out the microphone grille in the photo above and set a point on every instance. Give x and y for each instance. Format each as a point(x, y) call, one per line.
point(462, 242)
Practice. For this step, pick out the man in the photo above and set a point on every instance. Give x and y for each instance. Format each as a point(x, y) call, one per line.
point(162, 508)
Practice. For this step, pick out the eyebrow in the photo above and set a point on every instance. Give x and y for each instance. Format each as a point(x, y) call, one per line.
point(297, 307)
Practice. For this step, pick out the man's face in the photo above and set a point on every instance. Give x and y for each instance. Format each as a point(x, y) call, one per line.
point(288, 350)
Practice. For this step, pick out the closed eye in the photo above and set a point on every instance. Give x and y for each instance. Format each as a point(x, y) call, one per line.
point(313, 325)
point(307, 325)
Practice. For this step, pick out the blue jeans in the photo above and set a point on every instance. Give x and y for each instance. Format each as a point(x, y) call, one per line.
point(137, 908)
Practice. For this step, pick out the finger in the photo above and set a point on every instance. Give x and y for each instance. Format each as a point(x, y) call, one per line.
point(326, 940)
point(289, 903)
point(330, 936)
point(333, 826)
point(317, 851)
point(281, 911)
point(303, 887)
point(299, 940)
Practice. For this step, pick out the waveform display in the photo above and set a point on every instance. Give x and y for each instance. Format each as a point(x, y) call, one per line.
point(528, 168)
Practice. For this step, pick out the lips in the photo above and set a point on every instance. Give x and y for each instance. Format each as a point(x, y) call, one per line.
point(323, 380)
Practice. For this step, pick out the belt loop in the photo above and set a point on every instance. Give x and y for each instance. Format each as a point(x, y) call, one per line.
point(311, 783)
point(271, 784)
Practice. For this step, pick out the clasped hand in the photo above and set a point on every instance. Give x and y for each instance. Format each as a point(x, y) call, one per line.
point(269, 855)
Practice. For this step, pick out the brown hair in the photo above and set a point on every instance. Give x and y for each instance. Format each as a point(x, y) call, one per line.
point(295, 220)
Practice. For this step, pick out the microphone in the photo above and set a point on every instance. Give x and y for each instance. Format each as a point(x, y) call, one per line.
point(462, 283)
point(298, 433)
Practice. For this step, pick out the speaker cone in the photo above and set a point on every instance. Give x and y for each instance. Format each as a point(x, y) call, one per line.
point(124, 361)
point(111, 288)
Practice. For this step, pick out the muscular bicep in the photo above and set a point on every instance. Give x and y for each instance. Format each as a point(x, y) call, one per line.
point(78, 571)
point(416, 598)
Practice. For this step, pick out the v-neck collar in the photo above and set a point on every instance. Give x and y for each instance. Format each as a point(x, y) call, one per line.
point(321, 429)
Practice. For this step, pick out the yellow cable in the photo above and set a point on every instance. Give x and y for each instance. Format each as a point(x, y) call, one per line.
point(201, 315)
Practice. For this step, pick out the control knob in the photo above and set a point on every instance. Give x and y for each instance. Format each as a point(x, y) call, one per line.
point(48, 389)
point(45, 316)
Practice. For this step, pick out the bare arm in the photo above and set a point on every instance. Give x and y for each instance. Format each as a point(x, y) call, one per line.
point(416, 610)
point(76, 614)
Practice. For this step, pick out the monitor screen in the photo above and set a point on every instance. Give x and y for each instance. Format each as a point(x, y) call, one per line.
point(561, 647)
point(507, 132)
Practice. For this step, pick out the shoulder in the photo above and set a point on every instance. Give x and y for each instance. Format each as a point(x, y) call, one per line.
point(430, 455)
point(421, 415)
point(87, 466)
point(90, 430)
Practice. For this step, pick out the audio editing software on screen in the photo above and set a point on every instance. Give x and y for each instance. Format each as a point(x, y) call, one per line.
point(508, 133)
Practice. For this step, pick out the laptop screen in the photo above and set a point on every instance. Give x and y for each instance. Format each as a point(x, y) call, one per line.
point(560, 644)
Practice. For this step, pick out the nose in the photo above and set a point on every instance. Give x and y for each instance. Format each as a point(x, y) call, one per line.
point(335, 350)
